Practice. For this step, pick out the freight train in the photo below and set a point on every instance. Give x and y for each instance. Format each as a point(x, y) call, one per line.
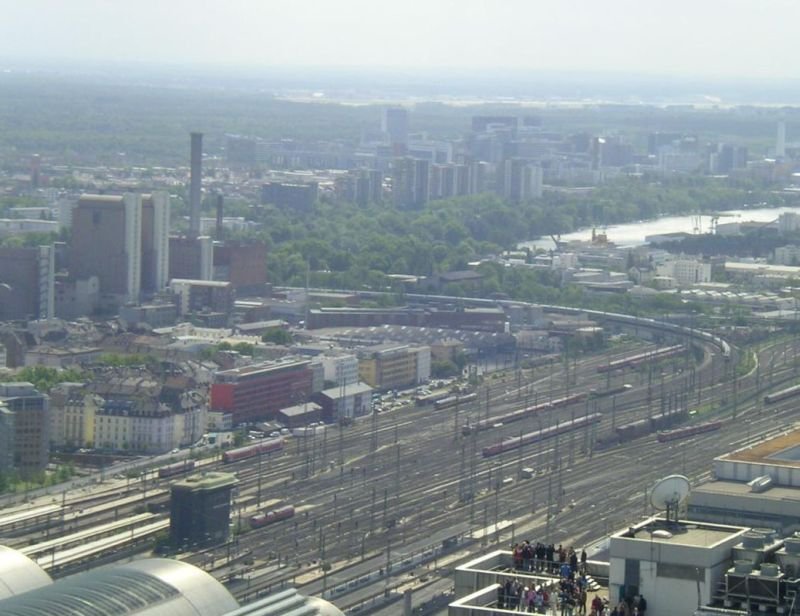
point(642, 427)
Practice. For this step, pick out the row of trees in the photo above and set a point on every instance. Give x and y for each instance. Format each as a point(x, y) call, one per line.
point(345, 246)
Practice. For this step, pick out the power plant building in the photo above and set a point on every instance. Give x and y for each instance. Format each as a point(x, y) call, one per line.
point(123, 240)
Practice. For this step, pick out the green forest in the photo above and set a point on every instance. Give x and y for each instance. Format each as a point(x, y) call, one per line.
point(345, 246)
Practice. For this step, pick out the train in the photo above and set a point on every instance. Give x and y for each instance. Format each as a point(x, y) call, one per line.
point(242, 453)
point(519, 414)
point(642, 358)
point(515, 442)
point(449, 401)
point(422, 400)
point(612, 391)
point(782, 394)
point(274, 515)
point(678, 433)
point(642, 427)
point(179, 468)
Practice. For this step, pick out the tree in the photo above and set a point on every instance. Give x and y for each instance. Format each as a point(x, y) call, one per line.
point(444, 368)
point(277, 336)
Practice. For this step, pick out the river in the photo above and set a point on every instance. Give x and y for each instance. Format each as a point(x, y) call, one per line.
point(633, 233)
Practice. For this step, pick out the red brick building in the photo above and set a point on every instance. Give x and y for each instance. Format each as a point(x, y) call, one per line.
point(258, 392)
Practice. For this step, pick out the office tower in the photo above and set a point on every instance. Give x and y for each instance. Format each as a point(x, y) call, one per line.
point(287, 196)
point(6, 439)
point(220, 216)
point(410, 182)
point(729, 157)
point(518, 180)
point(36, 169)
point(780, 141)
point(395, 125)
point(123, 241)
point(195, 183)
point(31, 427)
point(257, 392)
point(27, 283)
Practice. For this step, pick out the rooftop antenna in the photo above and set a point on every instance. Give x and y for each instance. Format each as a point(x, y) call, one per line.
point(668, 494)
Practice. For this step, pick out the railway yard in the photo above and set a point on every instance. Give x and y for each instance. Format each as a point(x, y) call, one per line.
point(563, 452)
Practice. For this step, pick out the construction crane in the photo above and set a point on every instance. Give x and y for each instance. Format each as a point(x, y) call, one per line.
point(715, 216)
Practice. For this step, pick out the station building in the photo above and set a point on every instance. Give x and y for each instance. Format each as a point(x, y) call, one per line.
point(148, 587)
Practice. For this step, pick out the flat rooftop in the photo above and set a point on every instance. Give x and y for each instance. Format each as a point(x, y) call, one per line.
point(695, 534)
point(783, 450)
point(206, 481)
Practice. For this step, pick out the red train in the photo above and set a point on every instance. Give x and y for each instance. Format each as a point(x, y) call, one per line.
point(516, 442)
point(242, 453)
point(179, 468)
point(672, 435)
point(274, 515)
point(642, 358)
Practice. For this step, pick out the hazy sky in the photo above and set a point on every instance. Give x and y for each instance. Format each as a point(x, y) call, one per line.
point(725, 38)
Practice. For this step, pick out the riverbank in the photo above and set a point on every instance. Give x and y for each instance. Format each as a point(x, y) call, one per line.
point(634, 233)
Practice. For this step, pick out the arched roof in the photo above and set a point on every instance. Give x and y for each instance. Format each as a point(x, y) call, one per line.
point(19, 574)
point(324, 608)
point(149, 587)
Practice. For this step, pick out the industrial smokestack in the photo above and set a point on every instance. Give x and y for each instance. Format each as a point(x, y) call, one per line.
point(220, 199)
point(195, 184)
point(780, 140)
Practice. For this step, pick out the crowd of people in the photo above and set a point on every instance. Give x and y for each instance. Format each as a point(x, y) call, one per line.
point(567, 594)
point(529, 556)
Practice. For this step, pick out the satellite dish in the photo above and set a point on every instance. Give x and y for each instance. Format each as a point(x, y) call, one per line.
point(668, 493)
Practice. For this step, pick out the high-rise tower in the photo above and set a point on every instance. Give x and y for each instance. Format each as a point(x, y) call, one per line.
point(780, 141)
point(195, 184)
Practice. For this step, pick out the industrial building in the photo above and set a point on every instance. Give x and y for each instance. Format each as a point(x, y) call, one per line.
point(758, 486)
point(345, 402)
point(194, 296)
point(123, 240)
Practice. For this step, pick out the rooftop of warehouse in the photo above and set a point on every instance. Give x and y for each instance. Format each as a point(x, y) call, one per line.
point(781, 450)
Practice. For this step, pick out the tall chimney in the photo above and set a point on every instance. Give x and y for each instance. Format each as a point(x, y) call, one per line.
point(220, 199)
point(195, 184)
